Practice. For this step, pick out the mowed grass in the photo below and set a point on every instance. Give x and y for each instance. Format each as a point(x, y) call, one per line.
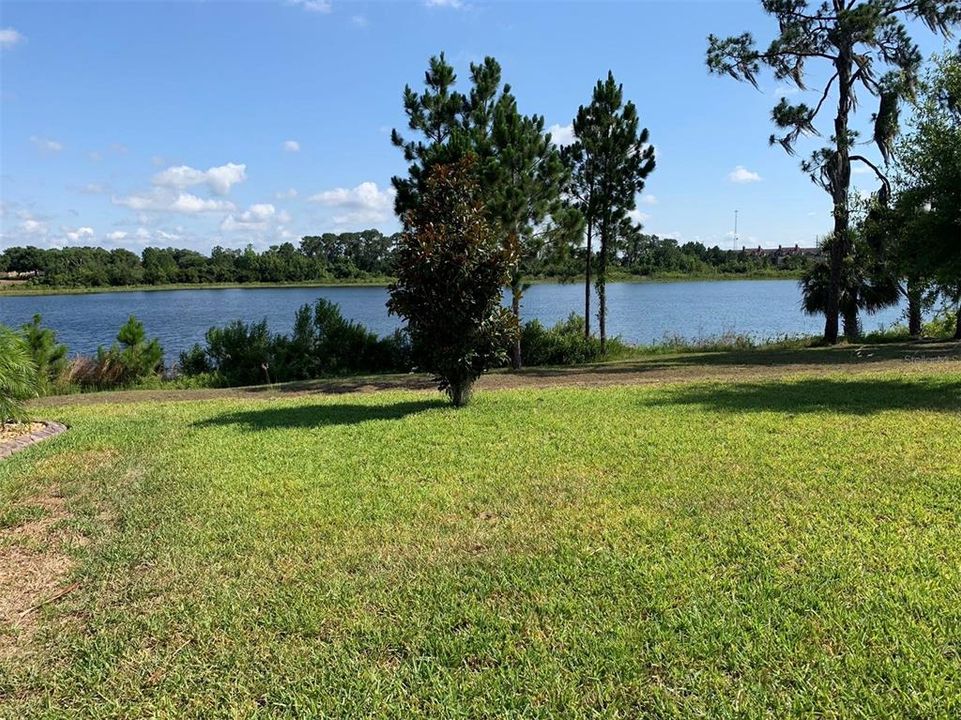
point(778, 548)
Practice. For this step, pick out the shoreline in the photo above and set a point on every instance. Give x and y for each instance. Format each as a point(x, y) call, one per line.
point(44, 290)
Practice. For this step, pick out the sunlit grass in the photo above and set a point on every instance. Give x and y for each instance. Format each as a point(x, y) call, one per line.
point(689, 550)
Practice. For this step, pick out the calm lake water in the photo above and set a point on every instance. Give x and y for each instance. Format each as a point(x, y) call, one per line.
point(638, 312)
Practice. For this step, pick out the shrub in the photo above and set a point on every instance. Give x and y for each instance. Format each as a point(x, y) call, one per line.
point(241, 354)
point(325, 343)
point(18, 376)
point(194, 361)
point(563, 344)
point(132, 359)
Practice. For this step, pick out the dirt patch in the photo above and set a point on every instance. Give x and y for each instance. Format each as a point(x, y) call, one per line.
point(33, 568)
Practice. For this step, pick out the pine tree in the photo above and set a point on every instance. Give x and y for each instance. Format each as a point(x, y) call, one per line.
point(523, 174)
point(610, 160)
point(856, 39)
point(519, 170)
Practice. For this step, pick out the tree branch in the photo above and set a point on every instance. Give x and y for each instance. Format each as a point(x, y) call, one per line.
point(881, 176)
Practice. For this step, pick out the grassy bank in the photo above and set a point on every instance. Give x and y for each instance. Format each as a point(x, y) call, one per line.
point(779, 546)
point(28, 289)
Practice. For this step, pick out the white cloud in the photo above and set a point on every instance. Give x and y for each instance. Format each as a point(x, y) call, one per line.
point(561, 134)
point(10, 37)
point(117, 235)
point(33, 227)
point(741, 174)
point(83, 233)
point(456, 4)
point(786, 90)
point(46, 144)
point(219, 179)
point(291, 146)
point(288, 194)
point(365, 203)
point(191, 204)
point(317, 6)
point(638, 217)
point(648, 199)
point(165, 201)
point(256, 217)
point(92, 189)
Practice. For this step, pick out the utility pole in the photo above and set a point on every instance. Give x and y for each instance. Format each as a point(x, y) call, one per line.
point(735, 231)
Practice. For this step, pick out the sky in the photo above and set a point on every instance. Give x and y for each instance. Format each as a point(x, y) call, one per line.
point(195, 124)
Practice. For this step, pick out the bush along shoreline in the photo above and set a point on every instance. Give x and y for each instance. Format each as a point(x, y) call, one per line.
point(325, 344)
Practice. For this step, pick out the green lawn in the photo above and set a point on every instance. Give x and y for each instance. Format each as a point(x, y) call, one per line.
point(692, 550)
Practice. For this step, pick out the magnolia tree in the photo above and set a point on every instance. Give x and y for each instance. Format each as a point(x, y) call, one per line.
point(450, 268)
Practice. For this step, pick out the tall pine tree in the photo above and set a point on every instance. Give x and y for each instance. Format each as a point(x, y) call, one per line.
point(610, 160)
point(857, 40)
point(524, 175)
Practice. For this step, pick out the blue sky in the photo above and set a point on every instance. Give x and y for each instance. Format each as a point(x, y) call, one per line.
point(196, 124)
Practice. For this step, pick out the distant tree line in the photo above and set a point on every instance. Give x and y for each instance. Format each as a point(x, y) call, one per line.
point(361, 255)
point(330, 256)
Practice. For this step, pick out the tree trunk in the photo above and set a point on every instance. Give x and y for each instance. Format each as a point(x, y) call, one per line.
point(852, 327)
point(587, 280)
point(839, 173)
point(602, 286)
point(460, 392)
point(517, 291)
point(914, 310)
point(957, 330)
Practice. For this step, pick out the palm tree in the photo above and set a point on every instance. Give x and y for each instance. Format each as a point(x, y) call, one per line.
point(865, 287)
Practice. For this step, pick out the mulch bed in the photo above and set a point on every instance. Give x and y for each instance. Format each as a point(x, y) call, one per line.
point(16, 437)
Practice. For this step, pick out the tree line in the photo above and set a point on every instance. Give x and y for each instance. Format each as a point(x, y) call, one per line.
point(367, 255)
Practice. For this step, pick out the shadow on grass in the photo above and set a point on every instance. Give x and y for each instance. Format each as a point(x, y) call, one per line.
point(345, 385)
point(314, 416)
point(855, 397)
point(826, 357)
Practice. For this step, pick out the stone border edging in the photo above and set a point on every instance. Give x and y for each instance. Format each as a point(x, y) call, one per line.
point(15, 445)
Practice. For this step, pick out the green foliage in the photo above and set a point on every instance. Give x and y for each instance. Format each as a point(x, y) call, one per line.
point(866, 285)
point(564, 344)
point(518, 168)
point(608, 163)
point(194, 361)
point(49, 356)
point(18, 376)
point(450, 271)
point(130, 360)
point(926, 216)
point(323, 343)
point(242, 353)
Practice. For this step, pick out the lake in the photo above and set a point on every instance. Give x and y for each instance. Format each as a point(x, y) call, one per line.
point(645, 312)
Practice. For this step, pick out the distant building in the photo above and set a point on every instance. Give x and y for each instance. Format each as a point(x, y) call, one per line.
point(780, 254)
